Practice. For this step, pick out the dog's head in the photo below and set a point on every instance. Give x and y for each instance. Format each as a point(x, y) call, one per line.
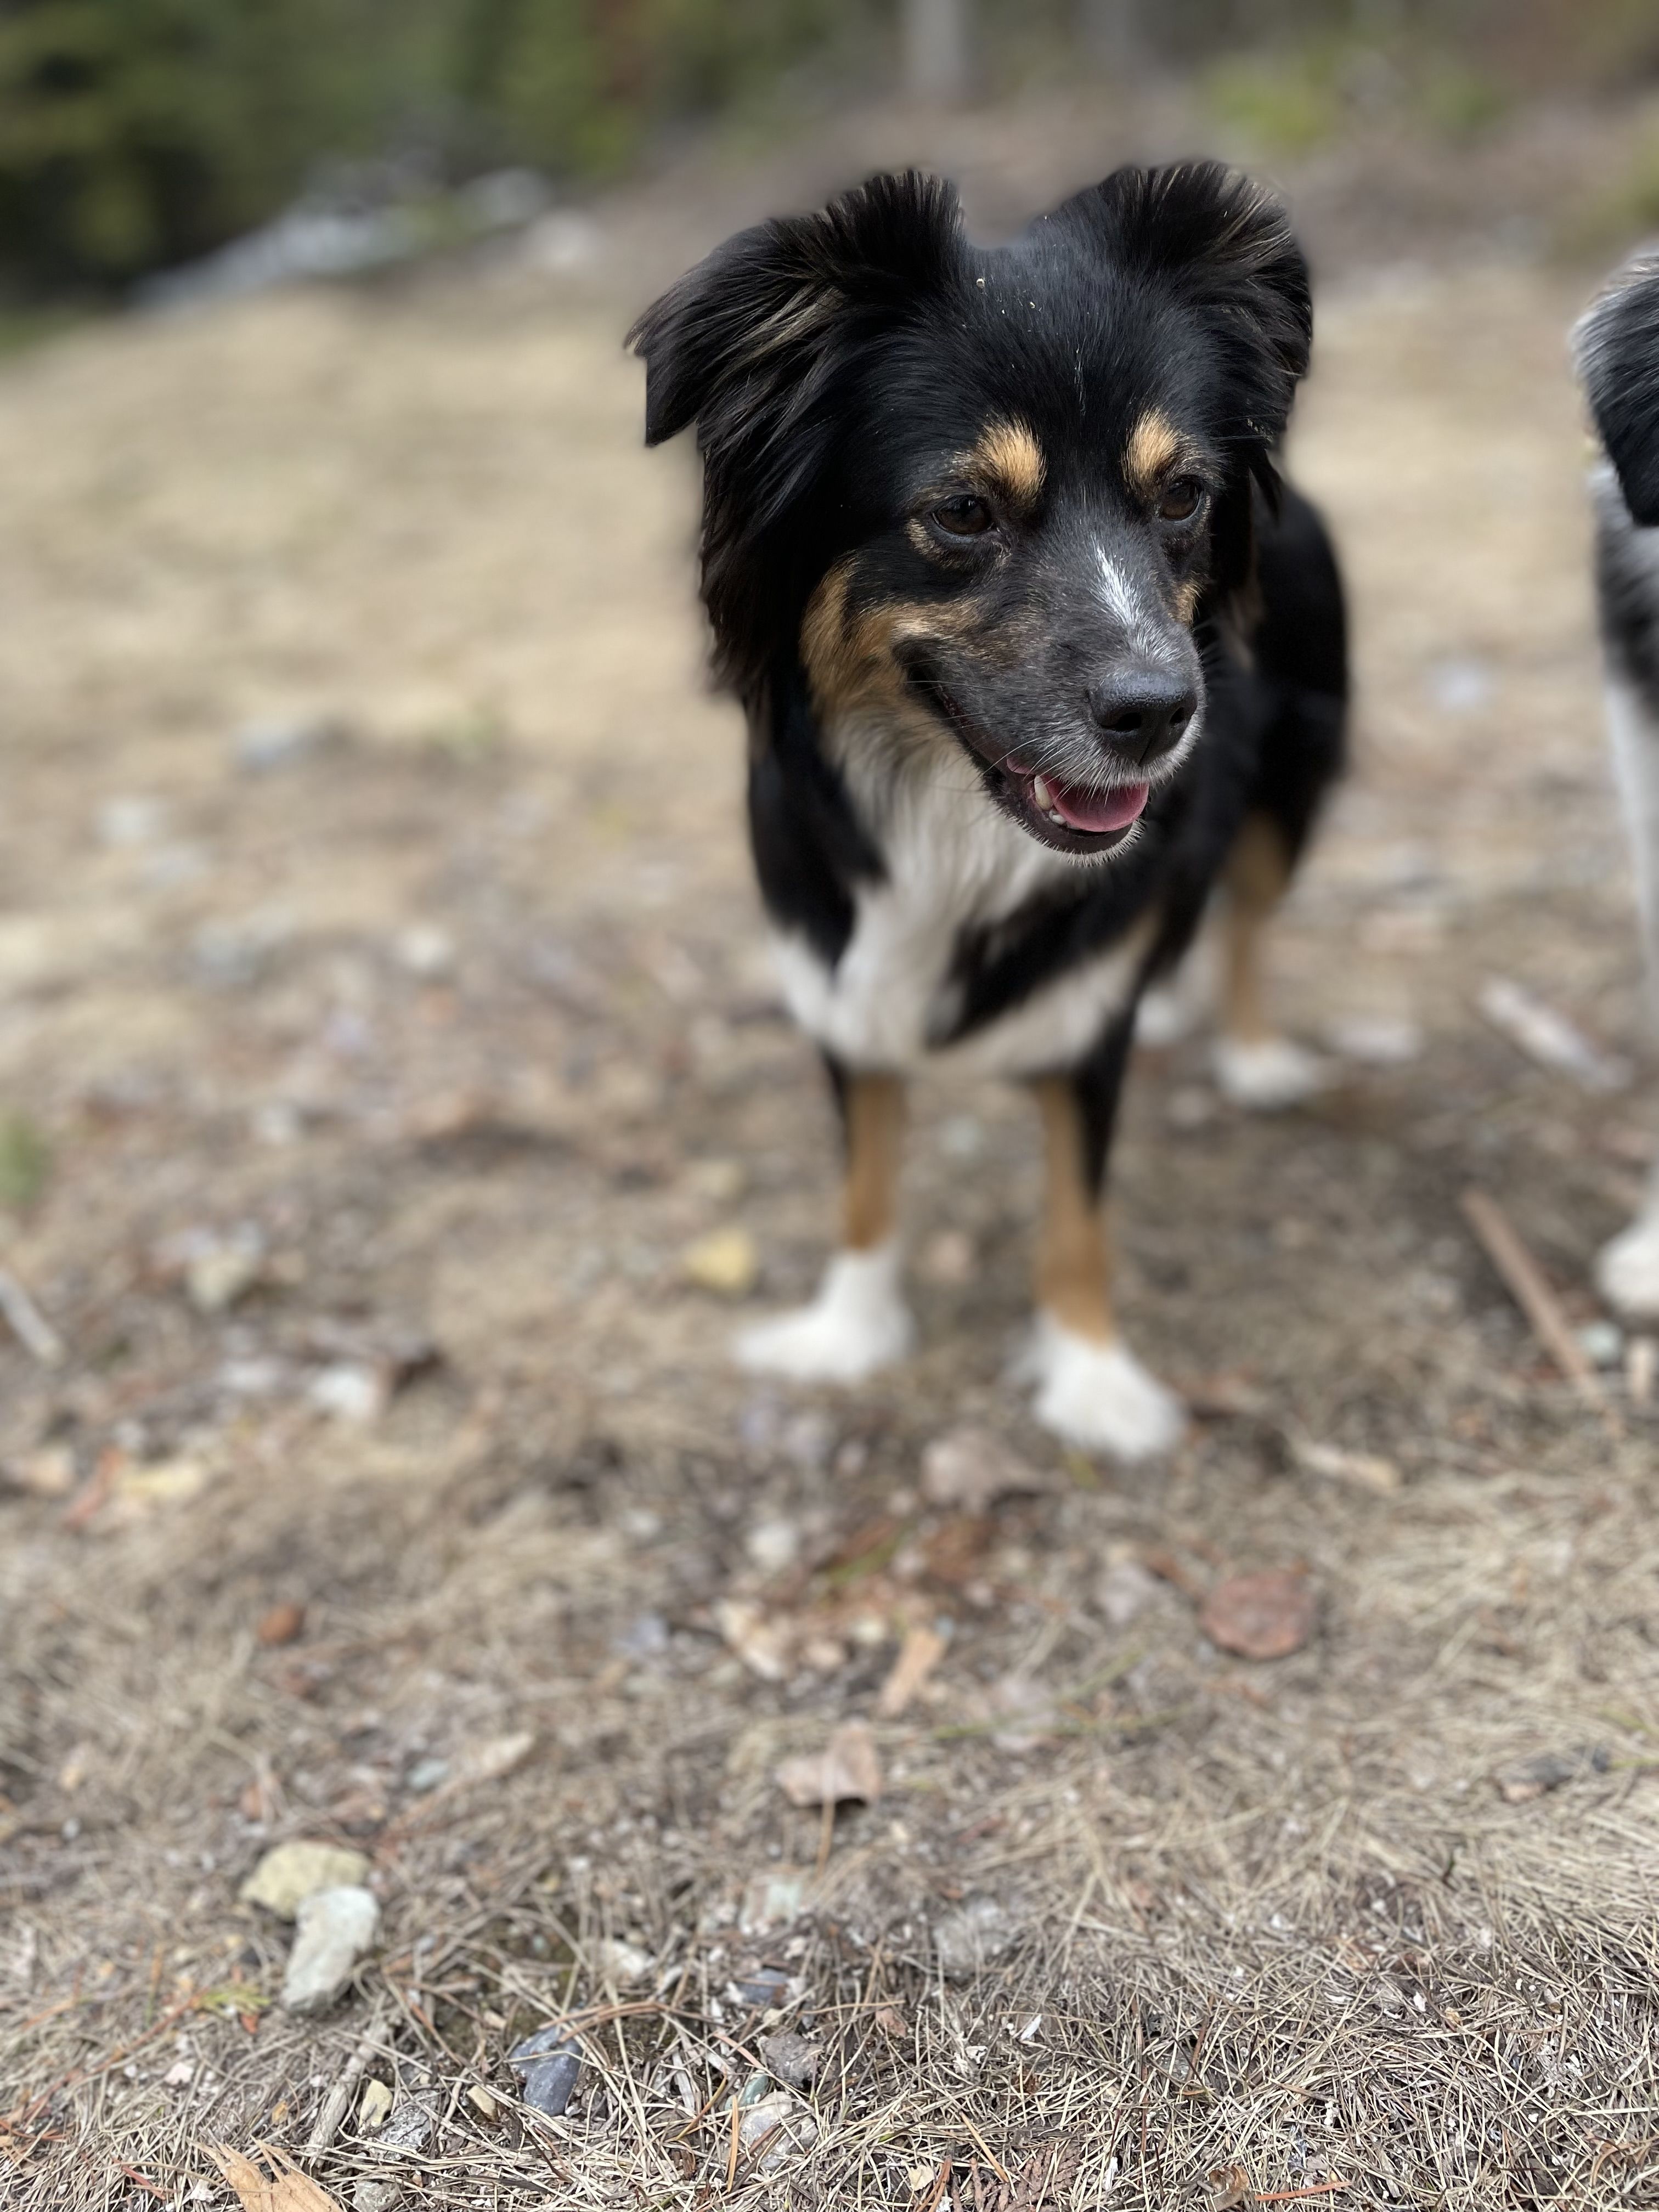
point(1617, 348)
point(981, 497)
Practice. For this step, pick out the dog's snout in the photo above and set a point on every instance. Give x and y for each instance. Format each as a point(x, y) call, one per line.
point(1142, 712)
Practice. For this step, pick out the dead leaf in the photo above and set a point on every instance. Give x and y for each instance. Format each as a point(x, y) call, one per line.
point(724, 1261)
point(48, 1472)
point(967, 1469)
point(135, 1492)
point(1262, 1616)
point(1362, 1468)
point(1229, 2185)
point(286, 2191)
point(919, 1653)
point(496, 1757)
point(762, 1644)
point(281, 1624)
point(847, 1768)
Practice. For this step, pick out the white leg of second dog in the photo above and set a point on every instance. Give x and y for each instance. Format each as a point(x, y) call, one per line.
point(1627, 1268)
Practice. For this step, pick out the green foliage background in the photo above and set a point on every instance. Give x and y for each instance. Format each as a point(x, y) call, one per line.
point(136, 133)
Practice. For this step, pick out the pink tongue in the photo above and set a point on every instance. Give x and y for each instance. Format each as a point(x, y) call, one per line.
point(1098, 810)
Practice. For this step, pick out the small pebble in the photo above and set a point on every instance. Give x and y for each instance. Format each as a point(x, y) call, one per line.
point(792, 2058)
point(1603, 1343)
point(772, 1545)
point(373, 2106)
point(426, 950)
point(260, 747)
point(548, 2064)
point(620, 1962)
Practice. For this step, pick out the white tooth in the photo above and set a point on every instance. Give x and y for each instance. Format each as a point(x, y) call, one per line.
point(1043, 797)
point(1056, 818)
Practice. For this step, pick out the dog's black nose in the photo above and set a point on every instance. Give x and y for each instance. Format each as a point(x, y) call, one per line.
point(1142, 712)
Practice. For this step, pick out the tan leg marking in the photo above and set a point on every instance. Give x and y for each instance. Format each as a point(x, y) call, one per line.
point(1258, 870)
point(875, 1147)
point(1074, 1253)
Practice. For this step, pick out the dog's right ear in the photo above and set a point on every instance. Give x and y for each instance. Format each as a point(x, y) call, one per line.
point(755, 346)
point(1616, 348)
point(748, 345)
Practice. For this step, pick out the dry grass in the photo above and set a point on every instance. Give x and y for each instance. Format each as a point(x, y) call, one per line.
point(1287, 1933)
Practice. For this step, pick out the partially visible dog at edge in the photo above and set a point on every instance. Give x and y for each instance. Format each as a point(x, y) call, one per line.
point(1036, 650)
point(1617, 348)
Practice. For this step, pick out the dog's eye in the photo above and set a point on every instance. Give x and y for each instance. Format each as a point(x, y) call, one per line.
point(962, 516)
point(1182, 497)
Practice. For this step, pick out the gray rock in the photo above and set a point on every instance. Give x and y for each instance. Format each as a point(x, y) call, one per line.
point(548, 2064)
point(792, 2058)
point(259, 748)
point(336, 1928)
point(966, 1940)
point(410, 2127)
point(762, 1987)
point(781, 2125)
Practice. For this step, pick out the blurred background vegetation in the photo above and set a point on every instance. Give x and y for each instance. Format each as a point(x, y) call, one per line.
point(137, 134)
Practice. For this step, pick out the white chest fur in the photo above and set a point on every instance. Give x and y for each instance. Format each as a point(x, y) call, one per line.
point(953, 862)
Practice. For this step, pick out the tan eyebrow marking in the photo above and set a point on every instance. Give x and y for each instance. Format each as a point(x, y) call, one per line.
point(1155, 445)
point(1008, 454)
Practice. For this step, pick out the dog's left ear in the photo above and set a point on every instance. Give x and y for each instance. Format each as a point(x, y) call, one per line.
point(1224, 246)
point(1616, 348)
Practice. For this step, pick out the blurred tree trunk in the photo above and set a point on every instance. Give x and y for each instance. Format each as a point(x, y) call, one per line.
point(937, 40)
point(1111, 35)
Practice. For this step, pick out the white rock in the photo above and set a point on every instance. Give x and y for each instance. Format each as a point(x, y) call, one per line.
point(966, 1940)
point(336, 1928)
point(772, 1545)
point(783, 2124)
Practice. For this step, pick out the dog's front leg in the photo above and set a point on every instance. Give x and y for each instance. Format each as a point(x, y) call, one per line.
point(858, 1321)
point(1092, 1388)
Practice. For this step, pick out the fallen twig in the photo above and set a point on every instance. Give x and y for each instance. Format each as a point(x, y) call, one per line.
point(1284, 2195)
point(28, 1324)
point(334, 2107)
point(1524, 1281)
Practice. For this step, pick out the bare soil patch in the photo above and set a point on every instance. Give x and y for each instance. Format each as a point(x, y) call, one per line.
point(395, 1492)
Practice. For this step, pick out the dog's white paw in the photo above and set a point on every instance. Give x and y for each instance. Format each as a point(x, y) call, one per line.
point(858, 1323)
point(1267, 1075)
point(1099, 1397)
point(1627, 1269)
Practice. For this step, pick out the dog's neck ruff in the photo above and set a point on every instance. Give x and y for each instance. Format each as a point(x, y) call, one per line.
point(956, 868)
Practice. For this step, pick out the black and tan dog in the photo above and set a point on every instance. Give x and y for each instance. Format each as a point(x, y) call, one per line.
point(1035, 650)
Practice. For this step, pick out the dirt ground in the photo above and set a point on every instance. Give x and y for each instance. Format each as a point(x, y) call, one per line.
point(394, 1488)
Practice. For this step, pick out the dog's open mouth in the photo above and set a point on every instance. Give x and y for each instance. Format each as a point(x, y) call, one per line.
point(1068, 816)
